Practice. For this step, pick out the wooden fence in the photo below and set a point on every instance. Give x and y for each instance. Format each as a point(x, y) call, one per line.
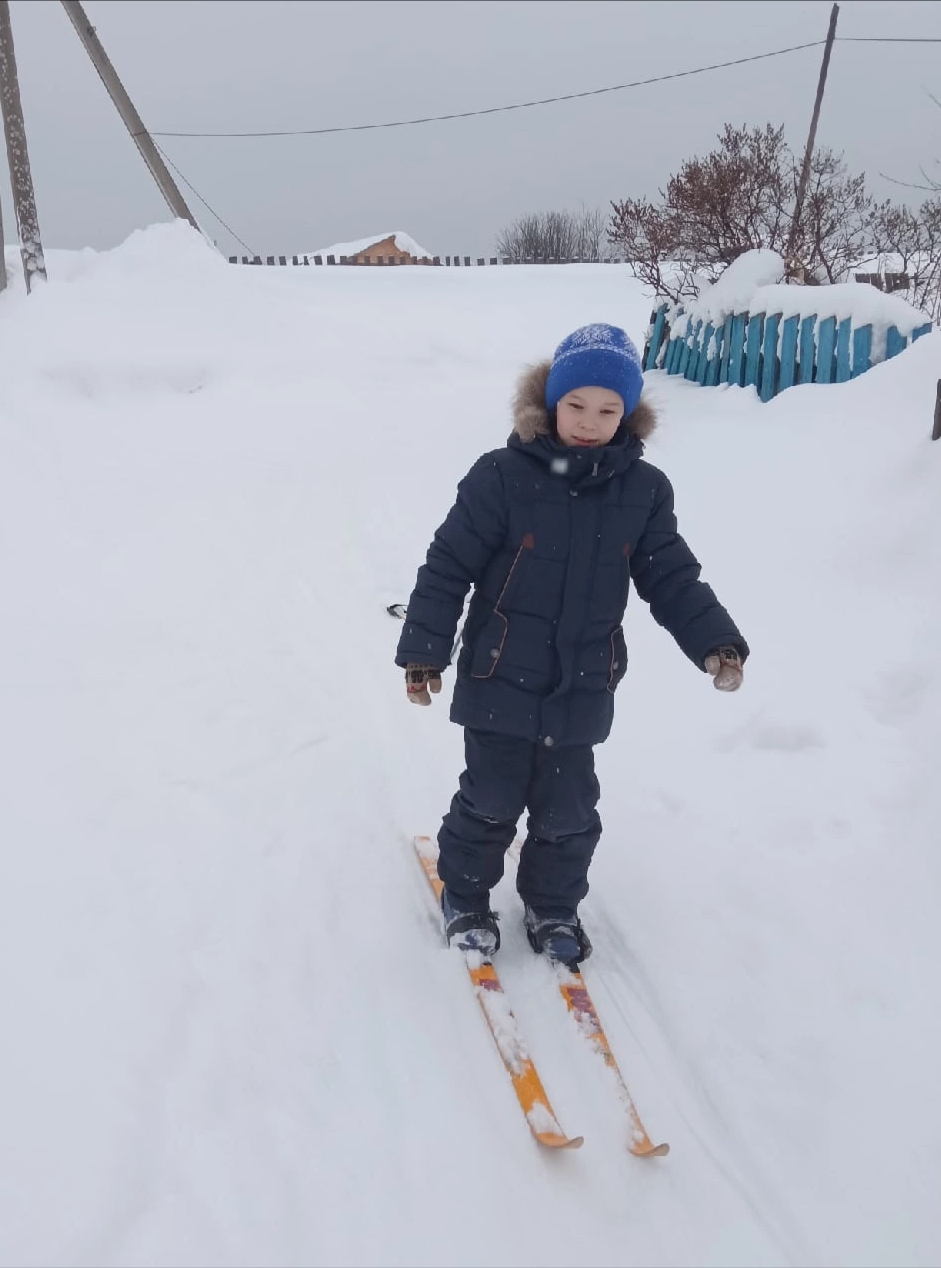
point(447, 261)
point(766, 351)
point(888, 282)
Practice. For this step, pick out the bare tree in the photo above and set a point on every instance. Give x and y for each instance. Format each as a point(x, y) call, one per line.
point(836, 228)
point(910, 240)
point(649, 239)
point(932, 184)
point(591, 224)
point(712, 211)
point(739, 197)
point(554, 235)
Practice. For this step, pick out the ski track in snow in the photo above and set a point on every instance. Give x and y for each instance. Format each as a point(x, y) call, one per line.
point(623, 982)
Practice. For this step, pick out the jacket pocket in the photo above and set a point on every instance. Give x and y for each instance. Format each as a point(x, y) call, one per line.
point(618, 664)
point(488, 646)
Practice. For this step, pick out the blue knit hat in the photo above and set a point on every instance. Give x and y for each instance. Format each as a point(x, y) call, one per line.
point(596, 356)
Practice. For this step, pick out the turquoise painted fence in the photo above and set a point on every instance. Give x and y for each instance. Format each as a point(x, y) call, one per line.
point(764, 351)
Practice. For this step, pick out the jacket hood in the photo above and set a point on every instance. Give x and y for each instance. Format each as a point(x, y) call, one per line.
point(531, 416)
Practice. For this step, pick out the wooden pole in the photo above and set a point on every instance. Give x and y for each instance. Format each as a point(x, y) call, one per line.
point(132, 120)
point(3, 262)
point(14, 130)
point(808, 152)
point(936, 430)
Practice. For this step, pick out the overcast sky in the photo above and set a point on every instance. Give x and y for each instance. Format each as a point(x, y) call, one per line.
point(206, 65)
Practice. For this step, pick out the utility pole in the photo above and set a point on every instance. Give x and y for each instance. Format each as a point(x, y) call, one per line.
point(14, 129)
point(3, 262)
point(808, 153)
point(132, 120)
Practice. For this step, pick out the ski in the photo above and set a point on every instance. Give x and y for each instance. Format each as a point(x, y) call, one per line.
point(580, 1004)
point(504, 1028)
point(578, 1001)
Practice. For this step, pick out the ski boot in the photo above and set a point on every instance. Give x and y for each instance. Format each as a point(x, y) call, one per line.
point(470, 929)
point(562, 939)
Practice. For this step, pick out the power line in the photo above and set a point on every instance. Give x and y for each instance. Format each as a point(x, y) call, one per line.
point(521, 105)
point(546, 101)
point(202, 200)
point(888, 39)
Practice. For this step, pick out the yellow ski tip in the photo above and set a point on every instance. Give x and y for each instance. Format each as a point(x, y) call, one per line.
point(645, 1149)
point(555, 1140)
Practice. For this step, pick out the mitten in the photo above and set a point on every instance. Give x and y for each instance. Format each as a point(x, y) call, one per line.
point(725, 666)
point(419, 680)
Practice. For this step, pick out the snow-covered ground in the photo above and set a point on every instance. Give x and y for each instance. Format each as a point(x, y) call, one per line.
point(231, 1033)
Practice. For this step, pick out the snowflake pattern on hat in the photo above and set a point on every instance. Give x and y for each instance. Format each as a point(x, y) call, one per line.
point(597, 354)
point(601, 337)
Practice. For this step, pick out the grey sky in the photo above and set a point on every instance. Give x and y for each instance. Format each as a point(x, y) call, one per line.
point(206, 65)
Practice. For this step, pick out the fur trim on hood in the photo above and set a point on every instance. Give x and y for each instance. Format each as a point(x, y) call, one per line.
point(531, 417)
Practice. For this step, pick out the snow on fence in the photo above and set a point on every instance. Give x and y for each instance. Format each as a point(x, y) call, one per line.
point(768, 351)
point(748, 331)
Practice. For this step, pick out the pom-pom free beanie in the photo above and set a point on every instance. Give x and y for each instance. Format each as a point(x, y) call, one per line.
point(596, 356)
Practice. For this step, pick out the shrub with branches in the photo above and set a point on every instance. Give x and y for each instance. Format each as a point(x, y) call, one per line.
point(740, 197)
point(835, 230)
point(910, 240)
point(554, 235)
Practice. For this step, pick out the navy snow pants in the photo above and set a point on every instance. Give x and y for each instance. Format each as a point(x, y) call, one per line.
point(504, 777)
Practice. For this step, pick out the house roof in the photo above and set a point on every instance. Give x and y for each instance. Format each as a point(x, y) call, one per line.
point(402, 241)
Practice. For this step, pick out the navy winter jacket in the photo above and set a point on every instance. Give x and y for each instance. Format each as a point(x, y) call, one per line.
point(550, 538)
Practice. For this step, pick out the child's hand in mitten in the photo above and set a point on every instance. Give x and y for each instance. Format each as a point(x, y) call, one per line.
point(419, 680)
point(725, 666)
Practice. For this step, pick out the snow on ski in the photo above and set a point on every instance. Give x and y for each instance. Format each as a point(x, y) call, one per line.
point(573, 990)
point(579, 1003)
point(505, 1030)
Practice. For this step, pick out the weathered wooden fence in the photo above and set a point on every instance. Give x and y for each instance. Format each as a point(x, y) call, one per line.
point(767, 351)
point(888, 282)
point(447, 261)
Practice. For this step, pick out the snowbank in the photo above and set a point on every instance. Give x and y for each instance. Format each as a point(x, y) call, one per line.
point(736, 289)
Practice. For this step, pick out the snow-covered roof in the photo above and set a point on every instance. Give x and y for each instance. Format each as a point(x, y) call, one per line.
point(402, 241)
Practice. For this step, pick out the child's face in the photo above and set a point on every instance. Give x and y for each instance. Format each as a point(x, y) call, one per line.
point(589, 416)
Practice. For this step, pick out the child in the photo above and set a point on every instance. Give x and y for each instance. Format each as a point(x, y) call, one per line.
point(549, 531)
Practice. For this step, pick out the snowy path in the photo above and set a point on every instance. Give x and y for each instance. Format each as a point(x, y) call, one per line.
point(232, 1033)
point(259, 1017)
